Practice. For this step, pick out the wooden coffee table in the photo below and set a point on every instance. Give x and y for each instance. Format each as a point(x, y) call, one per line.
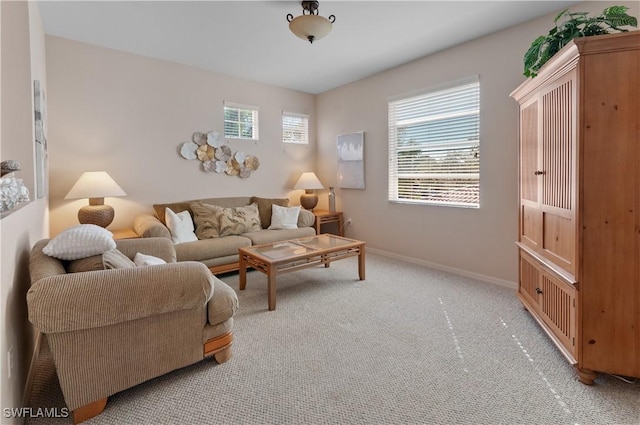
point(296, 254)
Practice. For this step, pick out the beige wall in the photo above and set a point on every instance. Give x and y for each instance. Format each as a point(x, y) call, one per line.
point(128, 115)
point(22, 61)
point(478, 242)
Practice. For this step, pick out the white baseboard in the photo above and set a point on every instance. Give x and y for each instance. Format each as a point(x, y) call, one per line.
point(489, 279)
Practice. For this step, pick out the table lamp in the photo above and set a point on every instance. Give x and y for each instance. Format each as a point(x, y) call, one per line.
point(95, 185)
point(308, 181)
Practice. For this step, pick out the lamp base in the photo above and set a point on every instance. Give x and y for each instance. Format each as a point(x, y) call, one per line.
point(100, 215)
point(308, 201)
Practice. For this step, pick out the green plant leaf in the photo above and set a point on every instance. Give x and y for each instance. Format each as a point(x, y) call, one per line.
point(570, 25)
point(532, 55)
point(615, 10)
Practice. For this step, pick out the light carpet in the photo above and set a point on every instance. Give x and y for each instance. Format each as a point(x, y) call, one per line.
point(409, 345)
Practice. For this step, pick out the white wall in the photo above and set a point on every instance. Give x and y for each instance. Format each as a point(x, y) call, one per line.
point(473, 241)
point(22, 61)
point(128, 115)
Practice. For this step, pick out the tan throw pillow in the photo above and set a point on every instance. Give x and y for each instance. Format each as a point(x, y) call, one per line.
point(213, 221)
point(264, 207)
point(88, 264)
point(205, 219)
point(176, 207)
point(115, 259)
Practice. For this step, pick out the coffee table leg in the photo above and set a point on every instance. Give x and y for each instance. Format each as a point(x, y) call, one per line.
point(361, 263)
point(242, 271)
point(271, 289)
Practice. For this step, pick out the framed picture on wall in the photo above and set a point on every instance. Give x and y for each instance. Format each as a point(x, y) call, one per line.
point(351, 160)
point(40, 148)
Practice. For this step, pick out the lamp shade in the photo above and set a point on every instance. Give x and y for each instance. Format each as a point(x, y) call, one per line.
point(95, 184)
point(307, 181)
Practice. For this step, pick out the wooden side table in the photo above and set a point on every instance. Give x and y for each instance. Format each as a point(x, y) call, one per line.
point(325, 217)
point(124, 234)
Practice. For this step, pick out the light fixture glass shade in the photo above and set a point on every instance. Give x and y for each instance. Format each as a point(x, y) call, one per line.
point(308, 181)
point(95, 184)
point(310, 27)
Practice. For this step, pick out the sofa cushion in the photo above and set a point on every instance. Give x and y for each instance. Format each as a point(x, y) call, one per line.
point(264, 207)
point(213, 221)
point(284, 217)
point(80, 241)
point(87, 264)
point(270, 236)
point(207, 249)
point(114, 259)
point(176, 207)
point(180, 225)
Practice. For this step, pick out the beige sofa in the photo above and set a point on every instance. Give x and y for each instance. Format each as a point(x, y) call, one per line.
point(221, 254)
point(109, 330)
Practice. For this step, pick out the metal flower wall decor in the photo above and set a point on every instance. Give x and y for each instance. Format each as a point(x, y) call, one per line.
point(215, 156)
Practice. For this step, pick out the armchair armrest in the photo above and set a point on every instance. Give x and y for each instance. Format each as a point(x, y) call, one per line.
point(306, 218)
point(148, 226)
point(76, 301)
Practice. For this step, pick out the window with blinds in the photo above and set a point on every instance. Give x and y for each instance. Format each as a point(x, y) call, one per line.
point(434, 146)
point(240, 121)
point(295, 128)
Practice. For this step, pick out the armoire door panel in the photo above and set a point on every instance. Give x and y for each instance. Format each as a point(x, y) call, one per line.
point(558, 240)
point(558, 143)
point(529, 279)
point(531, 226)
point(529, 152)
point(558, 309)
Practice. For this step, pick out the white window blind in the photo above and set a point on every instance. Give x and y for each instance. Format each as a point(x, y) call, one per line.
point(240, 121)
point(295, 128)
point(434, 146)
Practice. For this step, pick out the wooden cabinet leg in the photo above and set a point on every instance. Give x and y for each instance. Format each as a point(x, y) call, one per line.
point(88, 411)
point(586, 376)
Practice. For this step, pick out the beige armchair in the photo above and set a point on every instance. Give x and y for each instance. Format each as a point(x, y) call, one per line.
point(110, 330)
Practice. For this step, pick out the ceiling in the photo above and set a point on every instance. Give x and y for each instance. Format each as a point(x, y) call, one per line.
point(251, 39)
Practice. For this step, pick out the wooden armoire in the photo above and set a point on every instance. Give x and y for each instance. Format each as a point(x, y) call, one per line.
point(579, 207)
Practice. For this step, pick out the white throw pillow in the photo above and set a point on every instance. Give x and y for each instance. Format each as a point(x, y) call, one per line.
point(284, 217)
point(180, 225)
point(147, 260)
point(80, 241)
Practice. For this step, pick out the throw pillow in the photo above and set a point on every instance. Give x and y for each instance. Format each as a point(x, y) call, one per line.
point(180, 225)
point(264, 208)
point(88, 264)
point(115, 259)
point(205, 219)
point(284, 217)
point(147, 260)
point(80, 241)
point(213, 221)
point(176, 207)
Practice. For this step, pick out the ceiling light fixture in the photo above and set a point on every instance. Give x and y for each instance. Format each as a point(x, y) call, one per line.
point(310, 26)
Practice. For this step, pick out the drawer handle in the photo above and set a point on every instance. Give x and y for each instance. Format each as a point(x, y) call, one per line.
point(538, 291)
point(539, 173)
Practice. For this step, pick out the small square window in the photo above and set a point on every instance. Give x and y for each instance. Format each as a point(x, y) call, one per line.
point(240, 121)
point(295, 128)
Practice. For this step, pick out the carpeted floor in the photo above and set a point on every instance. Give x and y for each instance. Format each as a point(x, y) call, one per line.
point(410, 345)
